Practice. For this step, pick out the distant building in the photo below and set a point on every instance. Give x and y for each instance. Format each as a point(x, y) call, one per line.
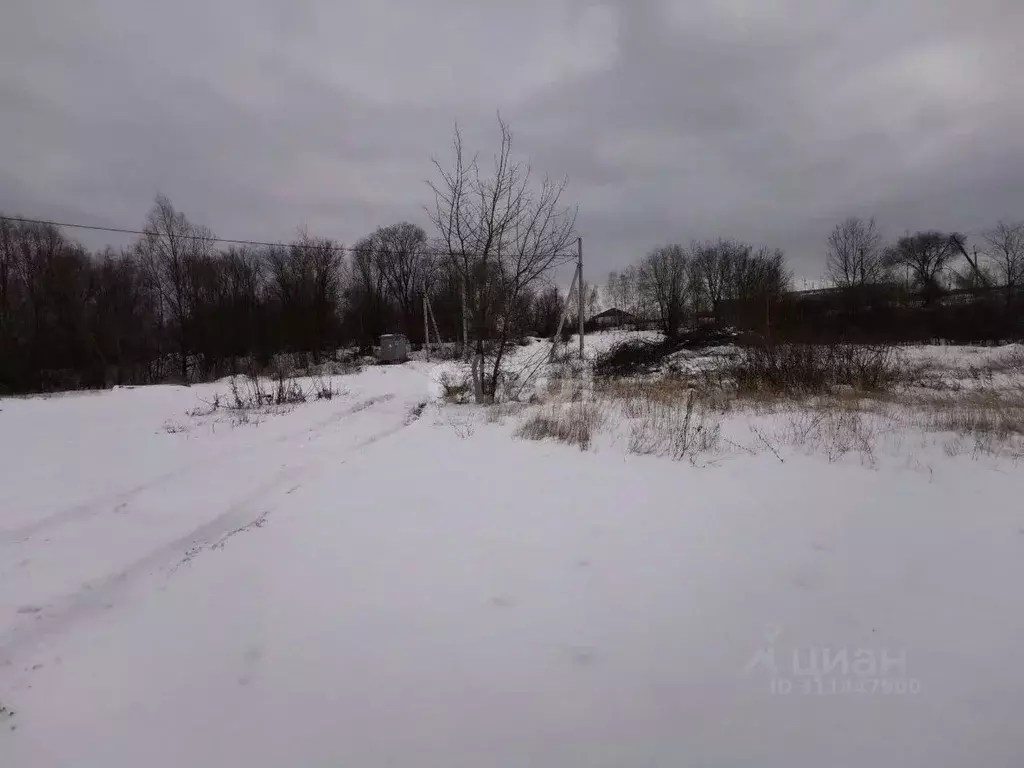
point(611, 318)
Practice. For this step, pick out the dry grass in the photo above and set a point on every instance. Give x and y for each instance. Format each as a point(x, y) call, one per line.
point(979, 422)
point(456, 389)
point(667, 390)
point(566, 382)
point(663, 417)
point(984, 369)
point(858, 405)
point(1011, 362)
point(986, 422)
point(833, 432)
point(677, 428)
point(500, 413)
point(800, 369)
point(575, 424)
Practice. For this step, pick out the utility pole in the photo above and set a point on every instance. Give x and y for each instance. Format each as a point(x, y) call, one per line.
point(465, 321)
point(433, 322)
point(579, 268)
point(565, 312)
point(426, 323)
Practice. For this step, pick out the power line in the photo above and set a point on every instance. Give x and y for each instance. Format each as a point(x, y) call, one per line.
point(229, 241)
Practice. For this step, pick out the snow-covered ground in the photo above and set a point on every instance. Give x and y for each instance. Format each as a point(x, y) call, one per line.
point(369, 581)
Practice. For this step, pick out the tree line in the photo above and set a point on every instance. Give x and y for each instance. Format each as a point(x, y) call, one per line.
point(727, 280)
point(179, 305)
point(175, 307)
point(926, 262)
point(925, 285)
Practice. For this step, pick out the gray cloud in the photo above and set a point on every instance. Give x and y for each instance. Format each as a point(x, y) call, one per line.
point(675, 119)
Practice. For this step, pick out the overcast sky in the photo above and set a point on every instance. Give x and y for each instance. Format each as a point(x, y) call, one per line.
point(767, 120)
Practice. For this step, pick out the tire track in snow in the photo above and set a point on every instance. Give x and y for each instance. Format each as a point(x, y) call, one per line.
point(103, 593)
point(89, 510)
point(334, 418)
point(97, 595)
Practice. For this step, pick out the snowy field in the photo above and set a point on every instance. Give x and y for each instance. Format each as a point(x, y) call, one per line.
point(387, 579)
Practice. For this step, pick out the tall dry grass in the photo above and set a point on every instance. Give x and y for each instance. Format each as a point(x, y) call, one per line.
point(835, 402)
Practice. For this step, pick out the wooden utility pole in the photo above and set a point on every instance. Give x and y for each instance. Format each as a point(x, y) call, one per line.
point(565, 312)
point(465, 321)
point(426, 323)
point(579, 268)
point(433, 322)
point(577, 285)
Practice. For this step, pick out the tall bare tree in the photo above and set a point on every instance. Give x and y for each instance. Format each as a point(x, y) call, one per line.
point(503, 233)
point(712, 272)
point(8, 286)
point(367, 292)
point(591, 299)
point(763, 274)
point(664, 277)
point(1005, 243)
point(404, 264)
point(622, 291)
point(244, 277)
point(307, 283)
point(855, 254)
point(925, 255)
point(546, 311)
point(170, 249)
point(613, 291)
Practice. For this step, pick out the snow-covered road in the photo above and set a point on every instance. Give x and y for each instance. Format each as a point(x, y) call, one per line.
point(356, 583)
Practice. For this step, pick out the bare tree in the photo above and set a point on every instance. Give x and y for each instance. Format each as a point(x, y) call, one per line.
point(244, 286)
point(762, 275)
point(925, 255)
point(664, 273)
point(403, 261)
point(1006, 248)
point(613, 291)
point(547, 311)
point(367, 294)
point(855, 254)
point(8, 256)
point(622, 291)
point(591, 299)
point(307, 284)
point(736, 282)
point(715, 272)
point(124, 320)
point(503, 233)
point(169, 249)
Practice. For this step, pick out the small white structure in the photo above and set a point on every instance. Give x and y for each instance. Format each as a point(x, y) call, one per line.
point(394, 348)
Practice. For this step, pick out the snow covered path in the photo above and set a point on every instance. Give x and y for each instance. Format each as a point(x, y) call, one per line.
point(351, 585)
